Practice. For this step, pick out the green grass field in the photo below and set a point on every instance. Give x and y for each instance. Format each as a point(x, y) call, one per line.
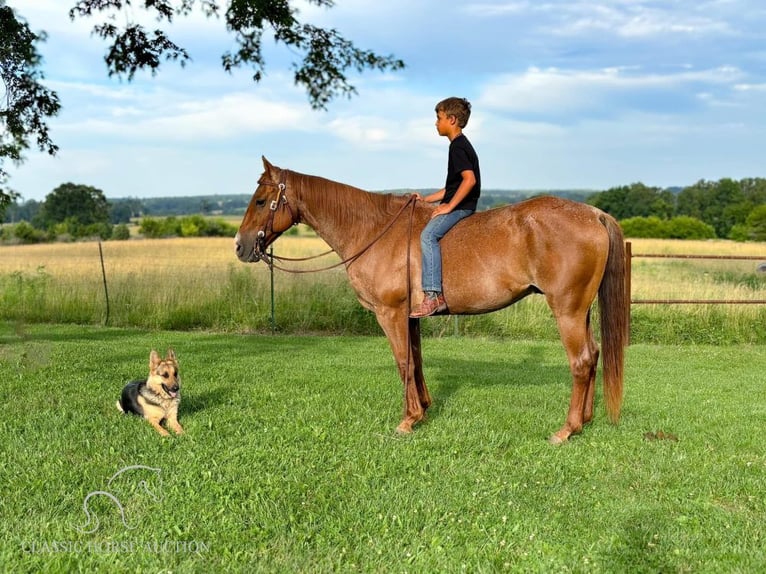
point(290, 462)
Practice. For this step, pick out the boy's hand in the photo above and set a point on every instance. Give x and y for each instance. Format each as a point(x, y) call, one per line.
point(441, 209)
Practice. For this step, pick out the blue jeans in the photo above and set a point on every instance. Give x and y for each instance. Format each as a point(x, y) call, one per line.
point(436, 228)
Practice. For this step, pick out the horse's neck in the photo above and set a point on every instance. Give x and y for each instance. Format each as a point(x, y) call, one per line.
point(345, 217)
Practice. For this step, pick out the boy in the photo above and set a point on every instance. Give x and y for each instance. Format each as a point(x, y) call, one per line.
point(458, 199)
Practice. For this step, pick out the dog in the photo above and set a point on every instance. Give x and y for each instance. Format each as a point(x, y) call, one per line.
point(157, 397)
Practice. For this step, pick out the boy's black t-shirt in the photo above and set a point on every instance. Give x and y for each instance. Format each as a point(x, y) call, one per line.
point(462, 156)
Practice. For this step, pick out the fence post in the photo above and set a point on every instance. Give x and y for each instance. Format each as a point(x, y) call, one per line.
point(271, 273)
point(628, 287)
point(106, 289)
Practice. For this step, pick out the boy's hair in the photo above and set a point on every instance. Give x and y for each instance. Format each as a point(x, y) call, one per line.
point(458, 107)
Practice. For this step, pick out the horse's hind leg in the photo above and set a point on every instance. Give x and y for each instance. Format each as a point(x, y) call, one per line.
point(591, 392)
point(582, 354)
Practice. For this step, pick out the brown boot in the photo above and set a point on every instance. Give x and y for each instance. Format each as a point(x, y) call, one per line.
point(430, 306)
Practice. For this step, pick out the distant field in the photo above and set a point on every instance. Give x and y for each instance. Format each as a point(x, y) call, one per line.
point(199, 283)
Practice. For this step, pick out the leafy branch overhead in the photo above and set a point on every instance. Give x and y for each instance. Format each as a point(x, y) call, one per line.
point(26, 103)
point(323, 59)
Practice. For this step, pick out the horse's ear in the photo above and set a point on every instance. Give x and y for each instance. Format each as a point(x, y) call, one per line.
point(267, 167)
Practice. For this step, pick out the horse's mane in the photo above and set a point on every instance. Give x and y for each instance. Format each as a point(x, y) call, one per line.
point(347, 203)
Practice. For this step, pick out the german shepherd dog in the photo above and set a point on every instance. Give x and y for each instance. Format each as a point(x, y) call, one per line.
point(158, 397)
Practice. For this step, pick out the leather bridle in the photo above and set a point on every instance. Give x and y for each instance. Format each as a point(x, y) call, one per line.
point(281, 202)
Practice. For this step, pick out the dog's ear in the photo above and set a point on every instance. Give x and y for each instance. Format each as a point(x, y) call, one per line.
point(154, 360)
point(171, 355)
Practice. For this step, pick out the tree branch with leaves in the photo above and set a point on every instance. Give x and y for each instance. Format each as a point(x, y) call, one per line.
point(325, 56)
point(323, 60)
point(26, 104)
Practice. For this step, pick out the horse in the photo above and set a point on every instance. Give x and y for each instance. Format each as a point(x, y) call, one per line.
point(566, 251)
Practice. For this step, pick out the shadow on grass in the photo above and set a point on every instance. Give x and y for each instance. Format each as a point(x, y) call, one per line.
point(533, 368)
point(205, 400)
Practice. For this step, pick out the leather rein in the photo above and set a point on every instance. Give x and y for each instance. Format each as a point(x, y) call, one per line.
point(282, 202)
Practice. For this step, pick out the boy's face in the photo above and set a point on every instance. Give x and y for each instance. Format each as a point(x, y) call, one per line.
point(444, 123)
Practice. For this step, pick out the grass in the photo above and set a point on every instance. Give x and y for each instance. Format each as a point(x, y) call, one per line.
point(197, 283)
point(290, 463)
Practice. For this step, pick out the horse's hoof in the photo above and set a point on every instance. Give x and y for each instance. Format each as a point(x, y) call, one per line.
point(555, 439)
point(404, 428)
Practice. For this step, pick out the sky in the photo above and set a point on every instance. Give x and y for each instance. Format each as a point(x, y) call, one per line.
point(566, 94)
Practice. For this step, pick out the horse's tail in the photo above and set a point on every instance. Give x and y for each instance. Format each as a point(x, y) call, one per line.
point(612, 301)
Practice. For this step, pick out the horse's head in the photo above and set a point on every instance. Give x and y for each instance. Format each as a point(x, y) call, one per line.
point(267, 217)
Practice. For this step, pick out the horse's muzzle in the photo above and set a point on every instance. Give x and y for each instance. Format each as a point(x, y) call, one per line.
point(249, 253)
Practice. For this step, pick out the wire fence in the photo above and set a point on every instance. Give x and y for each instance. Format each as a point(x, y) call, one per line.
point(629, 256)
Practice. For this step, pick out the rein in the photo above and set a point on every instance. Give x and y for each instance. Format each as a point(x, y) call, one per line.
point(281, 201)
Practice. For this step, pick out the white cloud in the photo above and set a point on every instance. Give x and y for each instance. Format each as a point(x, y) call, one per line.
point(555, 91)
point(750, 87)
point(491, 10)
point(585, 93)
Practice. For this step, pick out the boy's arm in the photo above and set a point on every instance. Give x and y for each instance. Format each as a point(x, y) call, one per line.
point(435, 196)
point(469, 180)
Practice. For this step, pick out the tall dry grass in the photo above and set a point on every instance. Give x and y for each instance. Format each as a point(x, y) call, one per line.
point(198, 283)
point(697, 278)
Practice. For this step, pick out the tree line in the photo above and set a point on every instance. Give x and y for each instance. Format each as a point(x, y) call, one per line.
point(76, 211)
point(723, 209)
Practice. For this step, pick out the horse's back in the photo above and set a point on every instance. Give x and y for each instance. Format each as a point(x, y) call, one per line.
point(545, 244)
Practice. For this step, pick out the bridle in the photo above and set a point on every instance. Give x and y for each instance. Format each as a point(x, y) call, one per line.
point(281, 202)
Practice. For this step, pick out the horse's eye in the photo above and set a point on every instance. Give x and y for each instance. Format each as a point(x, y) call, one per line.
point(260, 202)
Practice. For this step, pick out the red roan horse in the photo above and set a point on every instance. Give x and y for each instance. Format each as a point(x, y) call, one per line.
point(564, 250)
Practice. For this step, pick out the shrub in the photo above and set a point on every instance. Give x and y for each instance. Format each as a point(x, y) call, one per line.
point(96, 230)
point(644, 227)
point(190, 226)
point(681, 227)
point(685, 227)
point(121, 232)
point(25, 233)
point(157, 228)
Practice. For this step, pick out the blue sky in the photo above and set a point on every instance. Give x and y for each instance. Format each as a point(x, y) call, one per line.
point(566, 95)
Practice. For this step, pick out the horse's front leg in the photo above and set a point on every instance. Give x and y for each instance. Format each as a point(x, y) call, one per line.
point(420, 381)
point(403, 335)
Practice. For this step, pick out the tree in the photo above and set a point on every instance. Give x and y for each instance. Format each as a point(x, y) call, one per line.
point(326, 55)
point(756, 223)
point(80, 204)
point(754, 190)
point(722, 211)
point(635, 200)
point(26, 211)
point(26, 104)
point(693, 199)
